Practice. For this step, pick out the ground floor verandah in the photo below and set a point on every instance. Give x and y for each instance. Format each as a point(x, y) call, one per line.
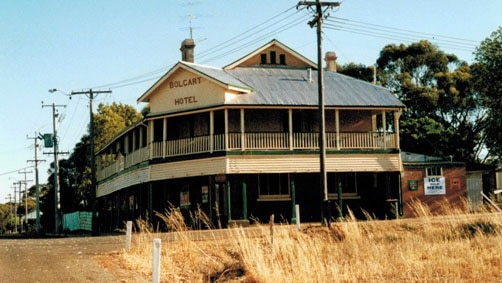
point(248, 198)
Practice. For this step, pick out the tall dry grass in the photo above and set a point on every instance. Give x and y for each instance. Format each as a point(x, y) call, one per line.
point(458, 247)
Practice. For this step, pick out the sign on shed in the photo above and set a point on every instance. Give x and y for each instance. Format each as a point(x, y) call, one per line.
point(434, 186)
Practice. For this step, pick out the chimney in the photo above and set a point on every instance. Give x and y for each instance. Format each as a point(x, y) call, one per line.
point(330, 61)
point(186, 49)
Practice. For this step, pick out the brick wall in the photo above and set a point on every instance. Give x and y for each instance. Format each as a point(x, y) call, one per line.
point(456, 189)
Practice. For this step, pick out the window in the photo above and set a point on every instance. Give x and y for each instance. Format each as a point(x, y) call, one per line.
point(434, 171)
point(273, 187)
point(282, 59)
point(348, 182)
point(263, 58)
point(158, 130)
point(273, 59)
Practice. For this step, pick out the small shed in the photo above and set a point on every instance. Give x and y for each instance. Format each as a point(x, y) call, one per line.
point(434, 183)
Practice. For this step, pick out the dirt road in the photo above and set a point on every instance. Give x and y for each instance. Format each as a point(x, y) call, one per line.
point(76, 259)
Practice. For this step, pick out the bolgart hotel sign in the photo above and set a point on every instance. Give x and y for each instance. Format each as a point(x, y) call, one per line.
point(434, 186)
point(188, 82)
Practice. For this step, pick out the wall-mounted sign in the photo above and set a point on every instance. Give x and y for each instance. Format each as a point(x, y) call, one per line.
point(434, 186)
point(185, 100)
point(413, 185)
point(205, 194)
point(184, 82)
point(184, 199)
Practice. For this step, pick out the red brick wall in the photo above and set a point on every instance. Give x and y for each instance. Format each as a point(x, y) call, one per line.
point(456, 190)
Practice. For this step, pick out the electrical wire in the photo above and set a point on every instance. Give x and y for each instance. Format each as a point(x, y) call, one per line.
point(256, 30)
point(252, 41)
point(380, 31)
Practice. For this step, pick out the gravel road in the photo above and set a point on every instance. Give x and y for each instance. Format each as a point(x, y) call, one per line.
point(72, 259)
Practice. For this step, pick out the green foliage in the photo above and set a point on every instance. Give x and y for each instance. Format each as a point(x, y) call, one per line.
point(442, 116)
point(487, 80)
point(75, 172)
point(111, 120)
point(358, 71)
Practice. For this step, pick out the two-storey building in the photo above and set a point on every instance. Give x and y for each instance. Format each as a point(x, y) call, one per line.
point(241, 143)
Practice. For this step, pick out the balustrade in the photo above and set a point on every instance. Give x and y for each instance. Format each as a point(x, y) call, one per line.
point(251, 141)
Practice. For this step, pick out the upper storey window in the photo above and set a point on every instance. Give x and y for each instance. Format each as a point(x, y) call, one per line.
point(263, 58)
point(282, 59)
point(271, 58)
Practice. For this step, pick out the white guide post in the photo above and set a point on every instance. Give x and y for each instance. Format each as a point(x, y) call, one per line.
point(156, 261)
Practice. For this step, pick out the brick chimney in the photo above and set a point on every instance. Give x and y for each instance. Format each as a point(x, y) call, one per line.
point(330, 61)
point(187, 47)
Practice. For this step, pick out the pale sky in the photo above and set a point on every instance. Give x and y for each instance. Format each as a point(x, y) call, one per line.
point(124, 46)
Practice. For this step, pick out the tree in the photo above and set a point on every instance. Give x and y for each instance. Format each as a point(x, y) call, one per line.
point(487, 80)
point(358, 71)
point(111, 120)
point(75, 172)
point(442, 114)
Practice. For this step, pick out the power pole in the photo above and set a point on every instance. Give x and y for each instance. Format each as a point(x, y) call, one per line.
point(321, 8)
point(37, 185)
point(15, 208)
point(56, 166)
point(25, 196)
point(90, 94)
point(20, 201)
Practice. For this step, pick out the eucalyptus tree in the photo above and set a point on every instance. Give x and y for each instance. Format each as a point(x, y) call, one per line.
point(487, 81)
point(442, 111)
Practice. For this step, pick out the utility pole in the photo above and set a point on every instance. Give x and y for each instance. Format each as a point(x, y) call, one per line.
point(10, 205)
point(15, 208)
point(321, 8)
point(20, 201)
point(56, 166)
point(25, 196)
point(37, 185)
point(90, 94)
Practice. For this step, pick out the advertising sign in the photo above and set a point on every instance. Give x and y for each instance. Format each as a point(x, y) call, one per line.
point(413, 185)
point(434, 186)
point(205, 193)
point(184, 199)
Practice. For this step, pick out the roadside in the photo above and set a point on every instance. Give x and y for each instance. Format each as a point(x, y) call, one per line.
point(69, 259)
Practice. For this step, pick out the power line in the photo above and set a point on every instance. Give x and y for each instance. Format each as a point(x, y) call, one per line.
point(15, 171)
point(279, 18)
point(236, 39)
point(246, 44)
point(380, 31)
point(373, 25)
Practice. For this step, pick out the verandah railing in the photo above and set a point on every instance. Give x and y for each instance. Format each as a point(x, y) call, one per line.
point(253, 141)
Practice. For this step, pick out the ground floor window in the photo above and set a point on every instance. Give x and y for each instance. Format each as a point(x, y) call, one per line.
point(273, 187)
point(347, 182)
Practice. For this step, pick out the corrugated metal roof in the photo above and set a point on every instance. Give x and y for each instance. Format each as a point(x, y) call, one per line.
point(218, 74)
point(416, 159)
point(290, 86)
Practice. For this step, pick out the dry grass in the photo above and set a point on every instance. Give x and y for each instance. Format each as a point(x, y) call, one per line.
point(454, 248)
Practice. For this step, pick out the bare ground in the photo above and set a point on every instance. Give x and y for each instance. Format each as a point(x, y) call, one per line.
point(69, 259)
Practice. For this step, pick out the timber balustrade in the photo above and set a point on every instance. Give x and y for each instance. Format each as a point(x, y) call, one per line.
point(250, 141)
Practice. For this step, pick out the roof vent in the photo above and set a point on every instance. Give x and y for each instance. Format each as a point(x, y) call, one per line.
point(187, 47)
point(309, 75)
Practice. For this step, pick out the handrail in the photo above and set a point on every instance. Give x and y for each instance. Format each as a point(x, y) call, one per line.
point(250, 141)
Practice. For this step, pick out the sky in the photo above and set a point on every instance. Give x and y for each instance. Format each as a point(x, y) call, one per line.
point(125, 46)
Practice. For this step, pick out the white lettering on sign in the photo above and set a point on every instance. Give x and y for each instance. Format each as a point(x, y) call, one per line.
point(185, 100)
point(434, 186)
point(184, 82)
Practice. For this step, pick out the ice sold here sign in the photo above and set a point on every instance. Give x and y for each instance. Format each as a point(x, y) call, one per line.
point(434, 186)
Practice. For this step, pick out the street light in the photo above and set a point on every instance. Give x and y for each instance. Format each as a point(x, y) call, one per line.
point(53, 90)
